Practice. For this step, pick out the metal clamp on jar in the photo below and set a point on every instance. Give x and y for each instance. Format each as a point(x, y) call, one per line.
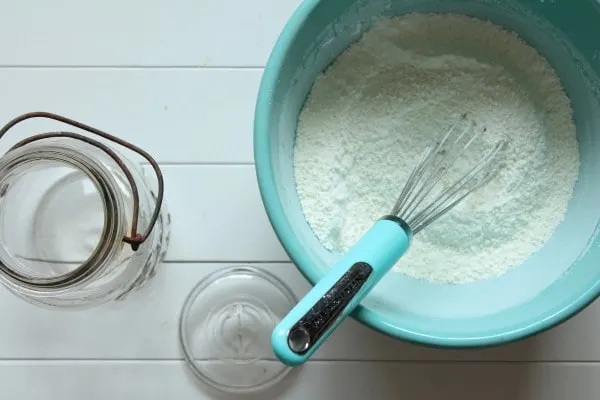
point(79, 224)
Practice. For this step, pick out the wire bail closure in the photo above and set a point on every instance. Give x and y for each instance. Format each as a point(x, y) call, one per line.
point(135, 239)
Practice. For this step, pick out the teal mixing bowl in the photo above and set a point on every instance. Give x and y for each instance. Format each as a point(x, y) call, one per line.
point(553, 284)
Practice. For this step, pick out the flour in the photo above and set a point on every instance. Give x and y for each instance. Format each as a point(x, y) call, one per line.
point(372, 112)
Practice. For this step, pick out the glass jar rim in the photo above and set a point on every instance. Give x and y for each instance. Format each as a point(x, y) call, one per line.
point(114, 227)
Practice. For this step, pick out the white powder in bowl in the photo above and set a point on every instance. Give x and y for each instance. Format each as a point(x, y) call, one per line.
point(372, 112)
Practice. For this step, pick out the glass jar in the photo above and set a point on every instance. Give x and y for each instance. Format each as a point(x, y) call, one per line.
point(71, 213)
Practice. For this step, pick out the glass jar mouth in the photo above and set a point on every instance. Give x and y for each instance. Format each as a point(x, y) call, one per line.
point(113, 230)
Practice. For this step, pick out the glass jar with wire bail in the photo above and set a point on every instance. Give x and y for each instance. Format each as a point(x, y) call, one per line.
point(79, 222)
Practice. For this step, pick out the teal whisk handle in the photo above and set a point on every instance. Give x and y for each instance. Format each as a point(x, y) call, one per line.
point(339, 292)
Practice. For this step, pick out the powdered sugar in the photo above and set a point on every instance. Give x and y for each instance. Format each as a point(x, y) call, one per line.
point(373, 111)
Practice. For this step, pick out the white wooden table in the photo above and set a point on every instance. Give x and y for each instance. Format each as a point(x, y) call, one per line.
point(180, 78)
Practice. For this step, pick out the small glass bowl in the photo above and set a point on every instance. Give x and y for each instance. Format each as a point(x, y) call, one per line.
point(225, 329)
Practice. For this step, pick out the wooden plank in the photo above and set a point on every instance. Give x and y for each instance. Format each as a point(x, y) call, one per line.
point(217, 215)
point(144, 326)
point(319, 380)
point(141, 33)
point(177, 115)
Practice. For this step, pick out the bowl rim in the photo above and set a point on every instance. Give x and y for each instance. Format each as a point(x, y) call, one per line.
point(262, 157)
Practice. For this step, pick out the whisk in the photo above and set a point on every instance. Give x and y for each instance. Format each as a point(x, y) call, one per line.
point(425, 197)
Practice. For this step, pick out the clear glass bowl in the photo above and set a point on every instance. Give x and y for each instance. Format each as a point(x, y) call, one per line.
point(225, 329)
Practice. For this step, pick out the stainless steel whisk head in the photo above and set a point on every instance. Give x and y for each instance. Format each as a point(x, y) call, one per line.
point(423, 198)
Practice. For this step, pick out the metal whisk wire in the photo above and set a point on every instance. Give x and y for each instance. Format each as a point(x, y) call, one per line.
point(405, 201)
point(448, 147)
